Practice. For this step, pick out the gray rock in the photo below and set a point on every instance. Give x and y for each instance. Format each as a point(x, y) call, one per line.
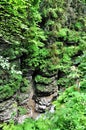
point(6, 104)
point(21, 118)
point(42, 89)
point(44, 103)
point(8, 110)
point(23, 98)
point(52, 109)
point(40, 108)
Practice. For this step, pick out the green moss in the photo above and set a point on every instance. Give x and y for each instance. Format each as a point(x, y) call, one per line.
point(44, 80)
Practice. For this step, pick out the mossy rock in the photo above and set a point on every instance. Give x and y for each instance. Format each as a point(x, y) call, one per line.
point(43, 80)
point(48, 74)
point(46, 89)
point(49, 69)
point(7, 90)
point(41, 89)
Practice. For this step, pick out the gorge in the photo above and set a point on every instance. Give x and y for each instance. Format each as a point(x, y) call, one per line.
point(42, 53)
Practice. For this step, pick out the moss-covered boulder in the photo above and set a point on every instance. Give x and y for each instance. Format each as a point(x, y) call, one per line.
point(42, 89)
point(44, 80)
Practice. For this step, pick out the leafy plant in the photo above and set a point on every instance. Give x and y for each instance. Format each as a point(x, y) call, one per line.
point(10, 79)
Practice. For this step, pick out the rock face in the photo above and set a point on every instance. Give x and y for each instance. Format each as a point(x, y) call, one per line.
point(42, 89)
point(39, 94)
point(46, 90)
point(45, 85)
point(11, 108)
point(35, 101)
point(8, 110)
point(44, 103)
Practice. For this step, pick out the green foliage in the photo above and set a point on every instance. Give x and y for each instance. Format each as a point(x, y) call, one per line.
point(10, 79)
point(27, 125)
point(12, 24)
point(70, 114)
point(19, 25)
point(63, 33)
point(48, 36)
point(42, 80)
point(22, 110)
point(20, 33)
point(43, 124)
point(70, 110)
